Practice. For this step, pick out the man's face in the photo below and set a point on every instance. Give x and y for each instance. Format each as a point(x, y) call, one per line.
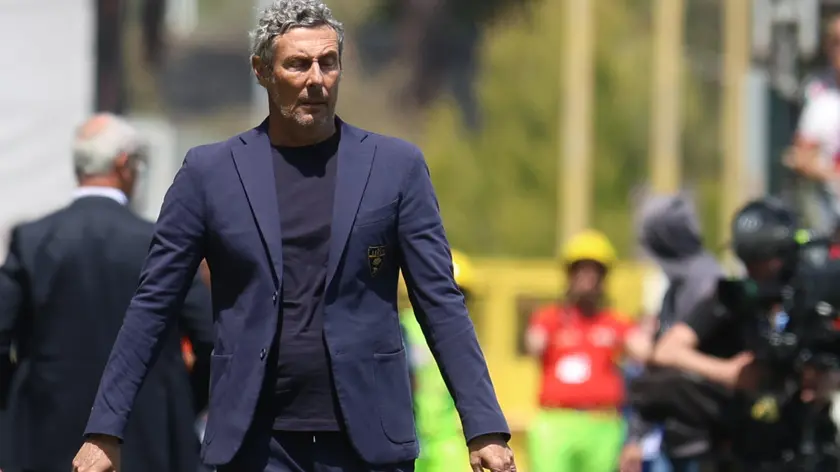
point(765, 271)
point(833, 44)
point(127, 171)
point(586, 280)
point(303, 81)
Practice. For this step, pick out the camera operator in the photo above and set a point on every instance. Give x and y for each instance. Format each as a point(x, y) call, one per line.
point(669, 232)
point(760, 427)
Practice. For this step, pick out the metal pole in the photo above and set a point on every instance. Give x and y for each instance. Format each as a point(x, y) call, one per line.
point(757, 139)
point(575, 169)
point(666, 126)
point(736, 64)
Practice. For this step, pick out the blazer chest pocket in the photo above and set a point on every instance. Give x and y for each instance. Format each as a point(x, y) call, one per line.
point(367, 217)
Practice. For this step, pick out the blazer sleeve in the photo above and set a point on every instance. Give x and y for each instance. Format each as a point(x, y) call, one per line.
point(12, 290)
point(176, 249)
point(439, 306)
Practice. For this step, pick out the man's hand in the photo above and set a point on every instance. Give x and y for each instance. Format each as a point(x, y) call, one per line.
point(804, 159)
point(631, 458)
point(818, 385)
point(98, 454)
point(536, 340)
point(491, 452)
point(741, 372)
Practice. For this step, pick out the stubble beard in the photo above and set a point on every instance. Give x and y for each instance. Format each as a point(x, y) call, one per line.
point(305, 120)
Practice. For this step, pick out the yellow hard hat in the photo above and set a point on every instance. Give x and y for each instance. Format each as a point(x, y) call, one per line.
point(462, 268)
point(589, 245)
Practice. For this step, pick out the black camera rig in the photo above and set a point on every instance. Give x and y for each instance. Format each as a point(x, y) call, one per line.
point(793, 327)
point(797, 318)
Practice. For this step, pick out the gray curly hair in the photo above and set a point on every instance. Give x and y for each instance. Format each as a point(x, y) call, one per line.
point(282, 16)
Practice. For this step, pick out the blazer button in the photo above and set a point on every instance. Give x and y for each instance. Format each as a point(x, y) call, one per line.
point(262, 354)
point(274, 297)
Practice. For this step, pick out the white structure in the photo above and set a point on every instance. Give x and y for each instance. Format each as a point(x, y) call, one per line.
point(181, 17)
point(47, 91)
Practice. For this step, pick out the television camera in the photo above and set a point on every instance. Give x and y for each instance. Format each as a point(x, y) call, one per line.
point(792, 325)
point(798, 314)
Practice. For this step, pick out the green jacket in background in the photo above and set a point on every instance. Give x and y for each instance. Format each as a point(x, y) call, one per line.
point(436, 416)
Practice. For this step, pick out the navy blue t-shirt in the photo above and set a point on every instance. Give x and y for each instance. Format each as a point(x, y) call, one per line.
point(304, 391)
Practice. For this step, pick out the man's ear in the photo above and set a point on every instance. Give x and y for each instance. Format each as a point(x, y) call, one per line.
point(260, 70)
point(121, 162)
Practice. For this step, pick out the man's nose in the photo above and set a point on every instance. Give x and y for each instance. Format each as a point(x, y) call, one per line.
point(587, 281)
point(316, 76)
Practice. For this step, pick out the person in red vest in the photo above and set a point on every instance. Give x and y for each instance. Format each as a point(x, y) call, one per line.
point(579, 342)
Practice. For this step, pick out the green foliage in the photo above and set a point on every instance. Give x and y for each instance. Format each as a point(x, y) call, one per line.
point(498, 187)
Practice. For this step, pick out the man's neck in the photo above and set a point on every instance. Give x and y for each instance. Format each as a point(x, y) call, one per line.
point(586, 308)
point(288, 133)
point(107, 191)
point(100, 181)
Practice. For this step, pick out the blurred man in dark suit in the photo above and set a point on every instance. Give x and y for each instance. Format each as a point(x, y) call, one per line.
point(64, 290)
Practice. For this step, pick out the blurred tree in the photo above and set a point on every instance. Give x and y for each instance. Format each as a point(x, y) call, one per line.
point(498, 184)
point(111, 21)
point(436, 40)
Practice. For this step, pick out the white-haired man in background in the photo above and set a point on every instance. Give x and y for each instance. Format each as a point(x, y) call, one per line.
point(64, 289)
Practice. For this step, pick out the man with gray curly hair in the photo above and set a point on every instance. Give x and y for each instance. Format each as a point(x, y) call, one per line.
point(305, 223)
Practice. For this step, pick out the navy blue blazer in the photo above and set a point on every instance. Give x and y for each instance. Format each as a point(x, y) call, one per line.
point(222, 206)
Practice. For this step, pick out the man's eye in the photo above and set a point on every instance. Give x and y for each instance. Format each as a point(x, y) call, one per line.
point(329, 63)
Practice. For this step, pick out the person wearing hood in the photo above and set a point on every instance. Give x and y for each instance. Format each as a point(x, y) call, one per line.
point(669, 232)
point(578, 342)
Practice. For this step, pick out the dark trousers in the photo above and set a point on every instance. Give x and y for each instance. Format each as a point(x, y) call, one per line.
point(284, 451)
point(685, 465)
point(697, 465)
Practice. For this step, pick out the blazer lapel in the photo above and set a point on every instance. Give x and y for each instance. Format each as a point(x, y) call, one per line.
point(355, 158)
point(253, 160)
